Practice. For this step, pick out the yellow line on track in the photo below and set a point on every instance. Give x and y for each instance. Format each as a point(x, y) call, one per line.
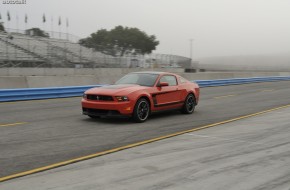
point(131, 146)
point(218, 97)
point(12, 124)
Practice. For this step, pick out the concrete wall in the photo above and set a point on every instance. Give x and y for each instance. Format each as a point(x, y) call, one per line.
point(13, 82)
point(53, 77)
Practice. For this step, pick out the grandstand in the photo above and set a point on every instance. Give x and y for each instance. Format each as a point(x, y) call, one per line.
point(22, 50)
point(18, 49)
point(11, 55)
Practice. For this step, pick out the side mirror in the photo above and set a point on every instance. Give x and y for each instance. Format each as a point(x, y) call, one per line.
point(163, 84)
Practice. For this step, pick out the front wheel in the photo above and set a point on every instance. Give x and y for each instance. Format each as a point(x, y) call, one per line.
point(141, 110)
point(189, 104)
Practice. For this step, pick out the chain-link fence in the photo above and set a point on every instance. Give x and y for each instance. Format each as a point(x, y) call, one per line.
point(23, 50)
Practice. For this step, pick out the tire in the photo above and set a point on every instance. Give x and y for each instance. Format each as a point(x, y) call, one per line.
point(94, 117)
point(189, 104)
point(141, 110)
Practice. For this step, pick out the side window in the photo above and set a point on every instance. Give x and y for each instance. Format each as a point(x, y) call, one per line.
point(170, 79)
point(182, 80)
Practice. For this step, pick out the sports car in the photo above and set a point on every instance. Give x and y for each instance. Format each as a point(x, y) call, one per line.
point(140, 94)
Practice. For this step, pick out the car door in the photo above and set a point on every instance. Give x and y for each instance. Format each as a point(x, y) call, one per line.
point(167, 95)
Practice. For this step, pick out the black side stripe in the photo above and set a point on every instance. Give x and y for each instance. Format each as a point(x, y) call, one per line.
point(155, 100)
point(168, 104)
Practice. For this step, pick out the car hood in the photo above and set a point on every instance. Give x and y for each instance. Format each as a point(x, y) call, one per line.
point(119, 89)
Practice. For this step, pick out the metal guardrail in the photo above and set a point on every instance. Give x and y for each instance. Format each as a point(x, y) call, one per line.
point(8, 95)
point(233, 81)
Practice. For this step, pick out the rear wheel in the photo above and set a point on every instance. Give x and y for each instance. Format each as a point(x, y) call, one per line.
point(189, 104)
point(141, 110)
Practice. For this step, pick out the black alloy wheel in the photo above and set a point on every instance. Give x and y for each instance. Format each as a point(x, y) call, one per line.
point(189, 104)
point(141, 110)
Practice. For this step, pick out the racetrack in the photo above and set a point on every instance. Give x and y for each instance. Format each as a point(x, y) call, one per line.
point(39, 133)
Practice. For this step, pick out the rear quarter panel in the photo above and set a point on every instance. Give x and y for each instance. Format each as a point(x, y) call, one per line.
point(189, 87)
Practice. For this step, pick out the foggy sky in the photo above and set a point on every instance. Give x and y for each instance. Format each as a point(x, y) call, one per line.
point(218, 27)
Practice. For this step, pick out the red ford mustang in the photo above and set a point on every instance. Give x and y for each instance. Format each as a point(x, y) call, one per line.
point(139, 94)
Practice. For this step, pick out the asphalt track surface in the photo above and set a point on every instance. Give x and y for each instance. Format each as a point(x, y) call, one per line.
point(34, 134)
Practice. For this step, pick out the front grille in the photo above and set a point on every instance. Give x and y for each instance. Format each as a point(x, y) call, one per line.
point(99, 97)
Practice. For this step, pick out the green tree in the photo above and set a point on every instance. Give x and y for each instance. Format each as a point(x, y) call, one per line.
point(121, 40)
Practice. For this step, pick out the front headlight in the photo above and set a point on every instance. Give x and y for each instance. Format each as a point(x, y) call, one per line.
point(122, 98)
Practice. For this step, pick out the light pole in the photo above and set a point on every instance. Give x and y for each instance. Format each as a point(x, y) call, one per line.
point(190, 48)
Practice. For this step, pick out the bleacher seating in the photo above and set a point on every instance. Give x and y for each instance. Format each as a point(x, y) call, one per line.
point(9, 52)
point(76, 50)
point(22, 47)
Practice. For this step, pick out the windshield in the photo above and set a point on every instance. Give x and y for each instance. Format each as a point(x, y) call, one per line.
point(142, 79)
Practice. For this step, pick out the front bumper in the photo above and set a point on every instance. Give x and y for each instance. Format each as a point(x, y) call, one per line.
point(107, 108)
